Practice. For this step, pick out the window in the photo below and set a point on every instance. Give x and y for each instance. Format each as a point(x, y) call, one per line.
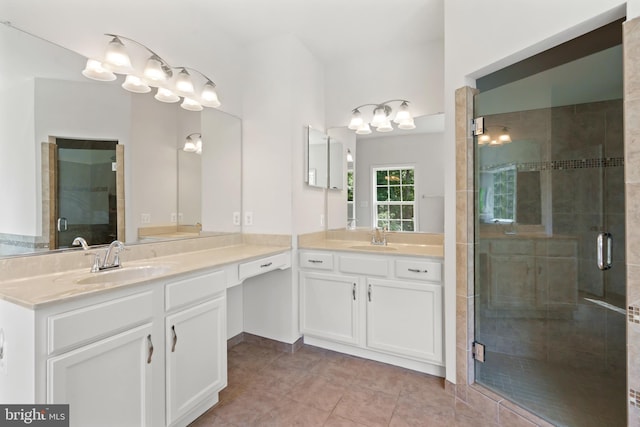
point(497, 196)
point(394, 198)
point(351, 213)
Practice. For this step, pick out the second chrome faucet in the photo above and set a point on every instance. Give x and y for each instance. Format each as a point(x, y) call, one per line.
point(98, 265)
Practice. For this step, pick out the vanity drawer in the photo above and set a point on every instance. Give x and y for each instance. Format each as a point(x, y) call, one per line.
point(316, 260)
point(88, 324)
point(367, 266)
point(194, 289)
point(263, 265)
point(419, 270)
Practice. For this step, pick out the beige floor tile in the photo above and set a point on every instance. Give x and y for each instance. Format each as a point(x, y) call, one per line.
point(369, 407)
point(292, 413)
point(318, 392)
point(336, 421)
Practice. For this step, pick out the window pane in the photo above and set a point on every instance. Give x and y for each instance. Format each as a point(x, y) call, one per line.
point(395, 212)
point(395, 194)
point(382, 194)
point(407, 226)
point(394, 177)
point(383, 212)
point(381, 177)
point(407, 212)
point(407, 176)
point(408, 193)
point(395, 225)
point(383, 224)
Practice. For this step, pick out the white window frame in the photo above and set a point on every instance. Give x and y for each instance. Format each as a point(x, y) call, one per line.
point(374, 193)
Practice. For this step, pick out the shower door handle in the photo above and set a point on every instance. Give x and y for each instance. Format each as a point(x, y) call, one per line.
point(63, 224)
point(603, 246)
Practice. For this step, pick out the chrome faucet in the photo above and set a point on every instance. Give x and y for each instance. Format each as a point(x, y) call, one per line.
point(79, 241)
point(116, 246)
point(379, 237)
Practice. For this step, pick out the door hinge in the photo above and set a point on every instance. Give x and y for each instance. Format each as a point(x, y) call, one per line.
point(478, 351)
point(477, 126)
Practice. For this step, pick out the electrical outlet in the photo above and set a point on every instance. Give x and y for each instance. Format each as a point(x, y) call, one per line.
point(174, 217)
point(248, 218)
point(236, 218)
point(145, 218)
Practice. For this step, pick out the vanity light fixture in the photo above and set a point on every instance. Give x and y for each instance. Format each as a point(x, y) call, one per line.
point(503, 137)
point(382, 117)
point(193, 143)
point(156, 73)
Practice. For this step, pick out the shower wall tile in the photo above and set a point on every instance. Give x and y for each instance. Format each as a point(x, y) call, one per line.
point(633, 223)
point(464, 269)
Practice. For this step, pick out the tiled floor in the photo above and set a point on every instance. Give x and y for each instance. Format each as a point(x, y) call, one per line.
point(316, 387)
point(565, 396)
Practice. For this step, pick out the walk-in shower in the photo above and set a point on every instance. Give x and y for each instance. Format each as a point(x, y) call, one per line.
point(549, 224)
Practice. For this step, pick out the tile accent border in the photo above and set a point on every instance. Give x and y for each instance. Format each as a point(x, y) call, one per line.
point(607, 162)
point(634, 314)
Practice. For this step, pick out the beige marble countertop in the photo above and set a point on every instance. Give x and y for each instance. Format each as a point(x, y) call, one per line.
point(359, 241)
point(37, 291)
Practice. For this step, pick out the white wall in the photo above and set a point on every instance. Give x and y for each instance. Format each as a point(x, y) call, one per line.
point(424, 151)
point(525, 28)
point(19, 168)
point(154, 136)
point(283, 93)
point(414, 73)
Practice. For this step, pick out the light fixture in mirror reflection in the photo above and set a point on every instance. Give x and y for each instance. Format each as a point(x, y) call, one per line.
point(193, 143)
point(156, 73)
point(503, 137)
point(44, 77)
point(381, 120)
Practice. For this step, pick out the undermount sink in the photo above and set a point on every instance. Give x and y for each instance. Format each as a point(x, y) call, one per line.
point(373, 248)
point(123, 274)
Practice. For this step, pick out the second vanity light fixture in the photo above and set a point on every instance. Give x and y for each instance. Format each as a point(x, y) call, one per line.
point(193, 143)
point(503, 137)
point(156, 73)
point(382, 117)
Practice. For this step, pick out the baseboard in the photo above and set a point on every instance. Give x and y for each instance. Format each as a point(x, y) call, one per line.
point(264, 342)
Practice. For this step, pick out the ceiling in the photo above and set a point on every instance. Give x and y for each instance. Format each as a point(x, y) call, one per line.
point(331, 29)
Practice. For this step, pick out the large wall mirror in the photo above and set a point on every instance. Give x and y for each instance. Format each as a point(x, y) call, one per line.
point(158, 194)
point(395, 180)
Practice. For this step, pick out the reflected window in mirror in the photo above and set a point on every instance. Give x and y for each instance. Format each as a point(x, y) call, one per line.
point(394, 206)
point(497, 196)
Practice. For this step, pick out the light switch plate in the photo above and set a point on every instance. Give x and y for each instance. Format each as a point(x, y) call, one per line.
point(236, 218)
point(248, 218)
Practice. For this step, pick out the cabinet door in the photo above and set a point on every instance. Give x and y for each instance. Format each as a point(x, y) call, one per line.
point(107, 383)
point(329, 307)
point(405, 318)
point(196, 355)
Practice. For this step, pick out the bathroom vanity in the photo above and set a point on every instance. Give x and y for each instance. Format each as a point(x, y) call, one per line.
point(383, 303)
point(140, 346)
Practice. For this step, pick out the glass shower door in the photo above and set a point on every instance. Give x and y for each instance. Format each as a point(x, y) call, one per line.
point(86, 201)
point(550, 182)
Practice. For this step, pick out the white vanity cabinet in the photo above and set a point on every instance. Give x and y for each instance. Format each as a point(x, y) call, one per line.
point(143, 355)
point(196, 350)
point(106, 383)
point(383, 307)
point(330, 306)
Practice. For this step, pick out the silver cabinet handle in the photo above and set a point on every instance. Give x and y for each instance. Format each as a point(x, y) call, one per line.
point(175, 338)
point(417, 270)
point(150, 352)
point(369, 293)
point(604, 242)
point(315, 261)
point(266, 265)
point(353, 291)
